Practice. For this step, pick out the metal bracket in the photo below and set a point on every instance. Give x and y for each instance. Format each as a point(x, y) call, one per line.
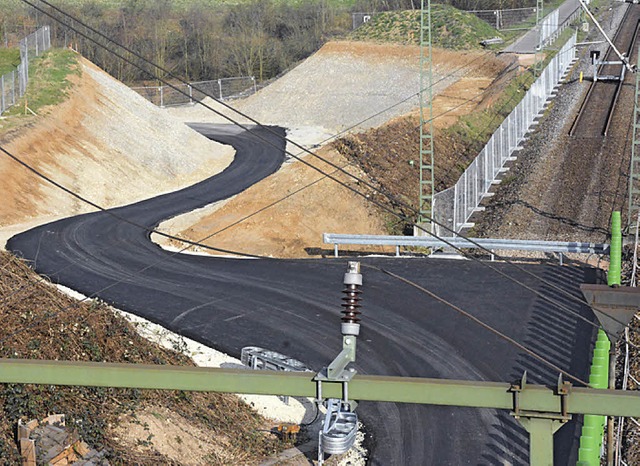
point(562, 390)
point(337, 371)
point(541, 425)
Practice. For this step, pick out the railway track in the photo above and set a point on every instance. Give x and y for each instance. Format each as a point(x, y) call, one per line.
point(598, 108)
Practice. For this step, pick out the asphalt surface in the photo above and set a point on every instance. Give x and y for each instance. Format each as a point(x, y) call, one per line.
point(293, 306)
point(530, 41)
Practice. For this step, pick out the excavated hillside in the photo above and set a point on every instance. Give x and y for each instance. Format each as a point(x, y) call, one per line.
point(344, 85)
point(107, 144)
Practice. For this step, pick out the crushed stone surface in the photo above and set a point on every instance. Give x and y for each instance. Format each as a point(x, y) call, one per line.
point(346, 84)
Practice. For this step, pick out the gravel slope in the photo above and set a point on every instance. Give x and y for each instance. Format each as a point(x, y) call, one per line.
point(345, 83)
point(106, 143)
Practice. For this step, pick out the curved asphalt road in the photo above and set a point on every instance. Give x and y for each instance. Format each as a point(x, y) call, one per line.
point(293, 306)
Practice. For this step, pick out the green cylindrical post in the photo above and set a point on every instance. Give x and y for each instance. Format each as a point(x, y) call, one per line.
point(593, 426)
point(615, 253)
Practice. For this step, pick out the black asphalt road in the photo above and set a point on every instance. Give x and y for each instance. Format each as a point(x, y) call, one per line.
point(293, 306)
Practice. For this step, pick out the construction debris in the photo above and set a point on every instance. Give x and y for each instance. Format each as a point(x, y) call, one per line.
point(50, 442)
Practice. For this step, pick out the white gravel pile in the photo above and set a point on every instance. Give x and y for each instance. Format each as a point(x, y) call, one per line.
point(132, 127)
point(342, 85)
point(107, 144)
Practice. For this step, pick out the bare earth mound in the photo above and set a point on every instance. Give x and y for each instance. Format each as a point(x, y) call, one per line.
point(107, 144)
point(349, 83)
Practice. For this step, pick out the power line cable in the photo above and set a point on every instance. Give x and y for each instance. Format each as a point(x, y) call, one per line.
point(319, 170)
point(358, 179)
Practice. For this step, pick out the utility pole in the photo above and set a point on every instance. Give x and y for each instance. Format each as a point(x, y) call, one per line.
point(426, 123)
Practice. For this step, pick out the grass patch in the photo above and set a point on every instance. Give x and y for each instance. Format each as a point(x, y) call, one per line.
point(451, 28)
point(9, 60)
point(49, 80)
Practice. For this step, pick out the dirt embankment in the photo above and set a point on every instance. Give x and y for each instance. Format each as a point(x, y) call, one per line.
point(340, 86)
point(105, 143)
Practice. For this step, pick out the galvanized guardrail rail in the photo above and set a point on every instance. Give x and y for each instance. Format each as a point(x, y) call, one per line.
point(558, 247)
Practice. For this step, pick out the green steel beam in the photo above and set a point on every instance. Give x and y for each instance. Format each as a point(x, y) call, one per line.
point(541, 439)
point(427, 184)
point(478, 394)
point(634, 171)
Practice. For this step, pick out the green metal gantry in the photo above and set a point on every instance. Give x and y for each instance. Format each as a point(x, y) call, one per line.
point(634, 170)
point(541, 410)
point(426, 120)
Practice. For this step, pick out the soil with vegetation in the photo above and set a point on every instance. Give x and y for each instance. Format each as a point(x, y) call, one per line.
point(450, 28)
point(39, 322)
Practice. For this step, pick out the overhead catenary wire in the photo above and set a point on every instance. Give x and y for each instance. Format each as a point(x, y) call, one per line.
point(360, 180)
point(243, 126)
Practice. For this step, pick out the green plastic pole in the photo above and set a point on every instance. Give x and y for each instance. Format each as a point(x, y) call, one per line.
point(593, 426)
point(615, 260)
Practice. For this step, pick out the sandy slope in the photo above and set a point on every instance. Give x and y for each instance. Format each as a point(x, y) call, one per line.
point(107, 144)
point(352, 83)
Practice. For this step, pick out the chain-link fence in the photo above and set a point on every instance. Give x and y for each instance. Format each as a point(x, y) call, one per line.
point(454, 206)
point(504, 19)
point(181, 94)
point(13, 85)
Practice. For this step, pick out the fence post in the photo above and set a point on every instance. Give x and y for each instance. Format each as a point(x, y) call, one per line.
point(190, 93)
point(2, 107)
point(13, 87)
point(220, 87)
point(161, 96)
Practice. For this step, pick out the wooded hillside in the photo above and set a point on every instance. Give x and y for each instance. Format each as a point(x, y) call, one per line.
point(207, 39)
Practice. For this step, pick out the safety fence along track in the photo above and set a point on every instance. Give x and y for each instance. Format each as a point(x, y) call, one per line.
point(13, 85)
point(454, 206)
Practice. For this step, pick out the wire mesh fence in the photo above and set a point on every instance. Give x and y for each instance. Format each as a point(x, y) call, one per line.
point(454, 206)
point(13, 85)
point(181, 94)
point(504, 19)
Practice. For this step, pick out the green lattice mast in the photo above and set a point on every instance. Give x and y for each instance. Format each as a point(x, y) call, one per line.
point(634, 170)
point(426, 124)
point(537, 65)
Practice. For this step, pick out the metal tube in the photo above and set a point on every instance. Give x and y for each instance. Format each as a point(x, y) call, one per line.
point(615, 263)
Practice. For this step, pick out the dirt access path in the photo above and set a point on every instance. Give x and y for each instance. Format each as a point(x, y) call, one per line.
point(340, 86)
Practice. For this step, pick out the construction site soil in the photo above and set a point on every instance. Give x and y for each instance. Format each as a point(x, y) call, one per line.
point(294, 207)
point(133, 426)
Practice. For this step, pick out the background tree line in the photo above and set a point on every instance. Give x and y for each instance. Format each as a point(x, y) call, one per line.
point(203, 40)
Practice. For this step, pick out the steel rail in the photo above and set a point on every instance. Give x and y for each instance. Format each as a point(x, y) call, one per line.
point(594, 85)
point(616, 97)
